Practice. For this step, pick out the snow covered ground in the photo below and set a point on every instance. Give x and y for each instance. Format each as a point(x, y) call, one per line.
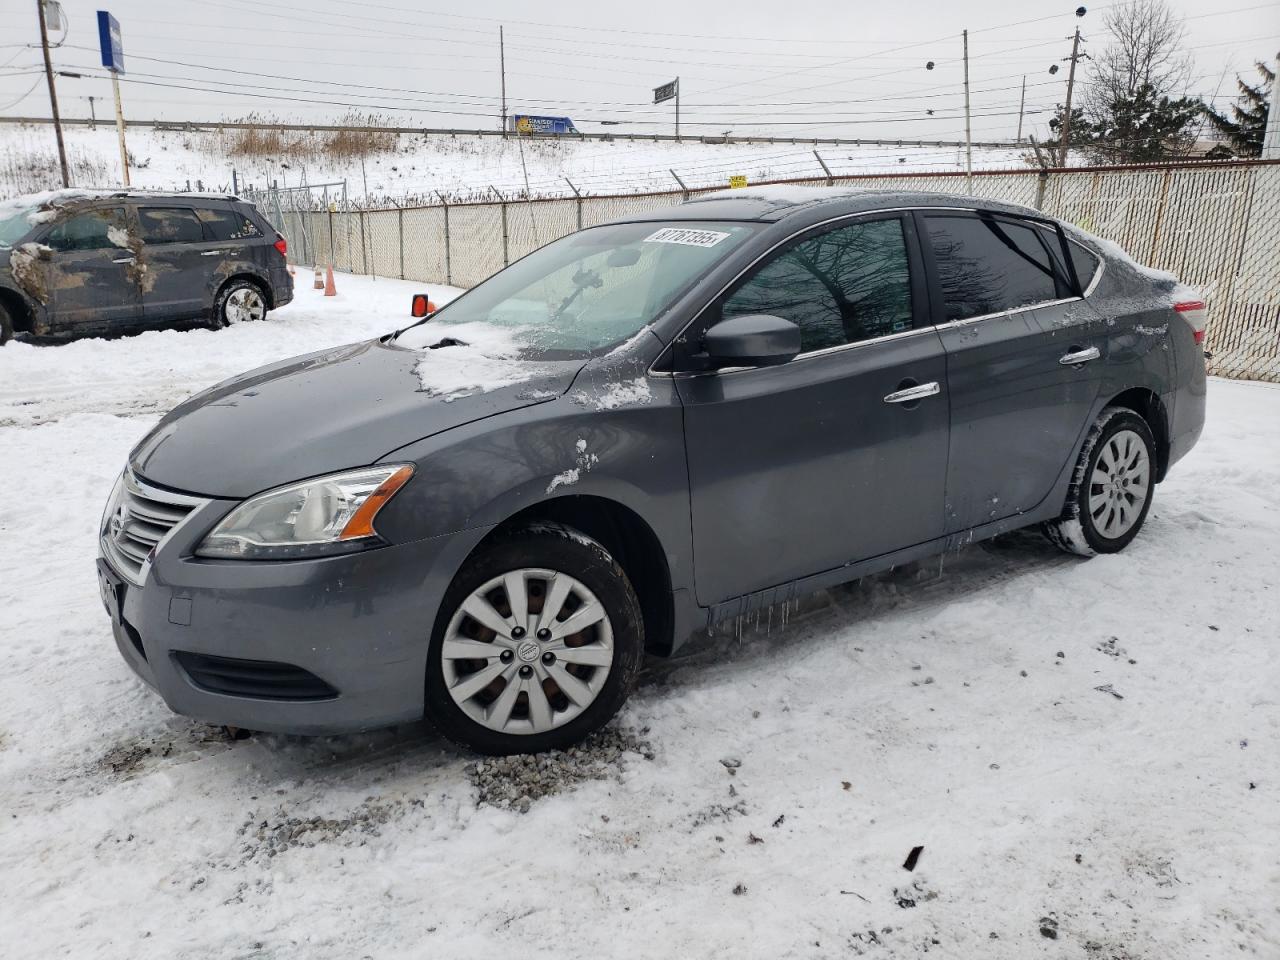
point(1088, 751)
point(461, 166)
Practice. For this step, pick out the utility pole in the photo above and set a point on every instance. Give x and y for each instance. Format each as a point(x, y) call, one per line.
point(968, 136)
point(502, 66)
point(1066, 117)
point(53, 95)
point(1022, 106)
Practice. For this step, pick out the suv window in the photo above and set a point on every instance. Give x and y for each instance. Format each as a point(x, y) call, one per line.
point(170, 225)
point(224, 224)
point(988, 265)
point(846, 284)
point(91, 230)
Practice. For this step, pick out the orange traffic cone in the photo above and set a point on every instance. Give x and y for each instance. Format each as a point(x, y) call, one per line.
point(329, 289)
point(319, 285)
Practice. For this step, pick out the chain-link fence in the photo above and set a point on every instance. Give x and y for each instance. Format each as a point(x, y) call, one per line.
point(1216, 226)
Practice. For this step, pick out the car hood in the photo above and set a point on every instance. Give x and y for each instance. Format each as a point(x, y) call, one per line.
point(331, 410)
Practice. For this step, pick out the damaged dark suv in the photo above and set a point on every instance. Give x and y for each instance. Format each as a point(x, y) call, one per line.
point(82, 263)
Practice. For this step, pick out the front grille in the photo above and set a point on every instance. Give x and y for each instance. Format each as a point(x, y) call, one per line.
point(258, 679)
point(138, 519)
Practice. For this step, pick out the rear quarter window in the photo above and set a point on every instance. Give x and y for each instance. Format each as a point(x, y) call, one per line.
point(225, 224)
point(1085, 262)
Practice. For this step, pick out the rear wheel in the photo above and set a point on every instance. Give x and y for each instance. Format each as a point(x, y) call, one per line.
point(6, 325)
point(1111, 491)
point(537, 644)
point(240, 301)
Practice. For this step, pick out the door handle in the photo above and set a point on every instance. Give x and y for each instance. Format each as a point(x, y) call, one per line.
point(125, 260)
point(1079, 356)
point(918, 392)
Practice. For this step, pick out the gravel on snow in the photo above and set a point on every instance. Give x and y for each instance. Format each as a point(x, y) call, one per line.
point(1086, 750)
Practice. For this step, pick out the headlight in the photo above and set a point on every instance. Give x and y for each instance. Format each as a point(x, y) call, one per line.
point(319, 517)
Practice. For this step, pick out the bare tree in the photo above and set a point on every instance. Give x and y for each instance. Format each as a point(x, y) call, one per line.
point(1146, 51)
point(1135, 108)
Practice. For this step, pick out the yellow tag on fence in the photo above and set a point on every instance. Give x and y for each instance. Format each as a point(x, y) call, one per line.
point(737, 181)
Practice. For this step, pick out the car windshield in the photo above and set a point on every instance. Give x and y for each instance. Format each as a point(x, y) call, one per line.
point(15, 222)
point(585, 293)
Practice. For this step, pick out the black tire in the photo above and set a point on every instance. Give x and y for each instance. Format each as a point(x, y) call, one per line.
point(6, 325)
point(562, 549)
point(223, 302)
point(1077, 531)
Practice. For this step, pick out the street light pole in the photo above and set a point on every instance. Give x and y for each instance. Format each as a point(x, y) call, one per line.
point(53, 95)
point(968, 136)
point(677, 109)
point(502, 67)
point(1022, 106)
point(124, 152)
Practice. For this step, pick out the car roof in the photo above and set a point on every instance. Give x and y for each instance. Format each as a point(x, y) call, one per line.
point(782, 201)
point(71, 196)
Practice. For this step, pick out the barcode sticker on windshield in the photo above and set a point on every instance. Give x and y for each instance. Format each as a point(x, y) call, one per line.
point(690, 238)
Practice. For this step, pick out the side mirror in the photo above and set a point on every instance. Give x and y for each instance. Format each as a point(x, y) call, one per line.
point(758, 340)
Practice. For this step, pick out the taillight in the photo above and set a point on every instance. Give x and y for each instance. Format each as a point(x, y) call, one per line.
point(282, 245)
point(1193, 311)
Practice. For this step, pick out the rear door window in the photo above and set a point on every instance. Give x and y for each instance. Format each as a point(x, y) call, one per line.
point(992, 264)
point(840, 286)
point(170, 225)
point(91, 230)
point(225, 224)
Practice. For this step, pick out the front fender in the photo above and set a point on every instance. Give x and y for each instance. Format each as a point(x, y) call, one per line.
point(482, 473)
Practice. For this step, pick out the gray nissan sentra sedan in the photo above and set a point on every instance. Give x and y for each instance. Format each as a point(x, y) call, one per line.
point(637, 431)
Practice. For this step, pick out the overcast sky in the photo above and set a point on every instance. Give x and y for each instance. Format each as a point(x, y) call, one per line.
point(828, 67)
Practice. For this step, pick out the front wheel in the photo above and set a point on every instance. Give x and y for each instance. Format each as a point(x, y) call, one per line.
point(537, 644)
point(1111, 490)
point(240, 301)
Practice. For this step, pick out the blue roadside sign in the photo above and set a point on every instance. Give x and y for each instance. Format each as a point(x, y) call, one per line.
point(109, 40)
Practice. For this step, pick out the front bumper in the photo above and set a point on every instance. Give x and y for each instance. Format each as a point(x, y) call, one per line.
point(360, 623)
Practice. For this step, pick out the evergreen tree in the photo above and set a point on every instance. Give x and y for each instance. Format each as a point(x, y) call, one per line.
point(1081, 134)
point(1245, 129)
point(1145, 128)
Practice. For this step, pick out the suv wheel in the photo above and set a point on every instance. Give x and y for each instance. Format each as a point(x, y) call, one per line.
point(6, 325)
point(240, 301)
point(1111, 491)
point(537, 644)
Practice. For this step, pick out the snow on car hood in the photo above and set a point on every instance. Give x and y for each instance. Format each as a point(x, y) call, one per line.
point(339, 408)
point(465, 359)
